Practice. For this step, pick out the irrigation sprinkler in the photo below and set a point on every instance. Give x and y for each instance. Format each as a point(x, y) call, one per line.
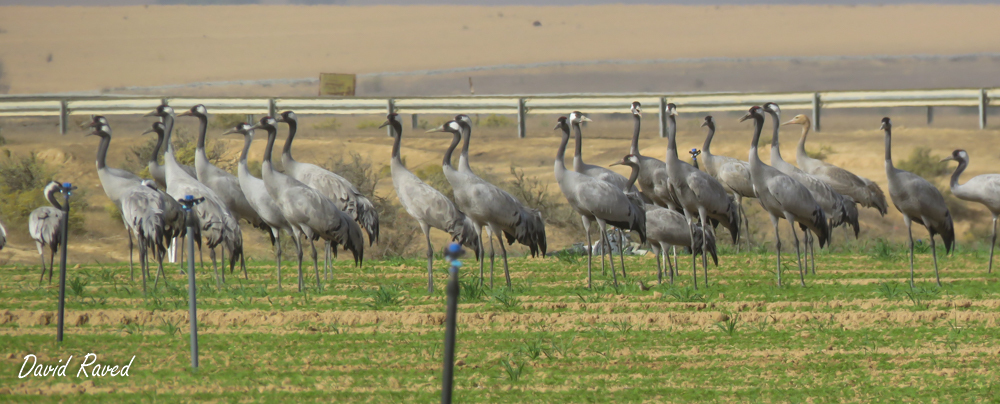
point(187, 203)
point(66, 189)
point(452, 253)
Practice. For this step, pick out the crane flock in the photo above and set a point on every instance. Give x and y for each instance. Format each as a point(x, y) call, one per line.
point(667, 203)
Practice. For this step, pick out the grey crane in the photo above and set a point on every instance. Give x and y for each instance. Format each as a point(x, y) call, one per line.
point(595, 199)
point(919, 201)
point(216, 225)
point(427, 205)
point(307, 210)
point(697, 192)
point(143, 209)
point(224, 184)
point(604, 174)
point(781, 196)
point(862, 190)
point(156, 170)
point(255, 191)
point(653, 179)
point(488, 205)
point(333, 186)
point(45, 227)
point(114, 181)
point(666, 228)
point(839, 210)
point(732, 173)
point(984, 189)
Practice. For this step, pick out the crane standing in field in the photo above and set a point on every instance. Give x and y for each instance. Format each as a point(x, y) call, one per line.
point(666, 228)
point(336, 188)
point(782, 196)
point(732, 173)
point(143, 210)
point(114, 181)
point(698, 193)
point(984, 189)
point(156, 170)
point(488, 205)
point(310, 214)
point(595, 199)
point(653, 178)
point(256, 194)
point(427, 205)
point(862, 190)
point(45, 227)
point(919, 201)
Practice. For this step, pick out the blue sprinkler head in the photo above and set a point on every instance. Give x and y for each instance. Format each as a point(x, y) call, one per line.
point(188, 197)
point(67, 185)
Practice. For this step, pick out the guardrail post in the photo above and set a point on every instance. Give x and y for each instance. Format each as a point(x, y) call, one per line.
point(521, 117)
point(930, 115)
point(63, 116)
point(816, 112)
point(391, 107)
point(414, 121)
point(984, 102)
point(272, 108)
point(662, 116)
point(250, 119)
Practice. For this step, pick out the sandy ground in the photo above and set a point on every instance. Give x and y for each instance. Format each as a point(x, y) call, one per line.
point(61, 49)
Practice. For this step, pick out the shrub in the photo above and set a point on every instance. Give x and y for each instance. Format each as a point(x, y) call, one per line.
point(226, 121)
point(921, 162)
point(820, 154)
point(498, 121)
point(366, 124)
point(22, 183)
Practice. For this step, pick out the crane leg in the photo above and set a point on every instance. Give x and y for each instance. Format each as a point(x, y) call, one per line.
point(201, 256)
point(993, 244)
point(590, 251)
point(909, 231)
point(430, 257)
point(42, 256)
point(604, 270)
point(159, 271)
point(671, 267)
point(319, 285)
point(131, 265)
point(218, 283)
point(142, 265)
point(705, 229)
point(812, 252)
point(298, 252)
point(603, 227)
point(658, 253)
point(798, 254)
point(503, 252)
point(937, 276)
point(694, 269)
point(621, 249)
point(277, 260)
point(746, 222)
point(179, 241)
point(52, 262)
point(489, 234)
point(482, 253)
point(326, 261)
point(777, 244)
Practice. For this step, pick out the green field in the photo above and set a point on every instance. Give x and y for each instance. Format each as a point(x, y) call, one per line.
point(857, 333)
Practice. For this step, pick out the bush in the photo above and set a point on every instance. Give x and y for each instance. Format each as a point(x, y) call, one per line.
point(820, 154)
point(226, 121)
point(22, 183)
point(398, 228)
point(498, 121)
point(366, 124)
point(921, 162)
point(329, 124)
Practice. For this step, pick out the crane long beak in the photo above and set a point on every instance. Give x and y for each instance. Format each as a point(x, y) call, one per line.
point(745, 117)
point(437, 129)
point(790, 122)
point(148, 131)
point(384, 124)
point(881, 127)
point(617, 163)
point(585, 119)
point(558, 125)
point(151, 114)
point(257, 126)
point(185, 113)
point(231, 131)
point(704, 124)
point(949, 158)
point(279, 118)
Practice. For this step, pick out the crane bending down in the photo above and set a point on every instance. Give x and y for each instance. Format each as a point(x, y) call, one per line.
point(919, 201)
point(984, 189)
point(783, 197)
point(862, 190)
point(258, 198)
point(216, 225)
point(336, 188)
point(698, 193)
point(144, 211)
point(310, 214)
point(488, 205)
point(666, 228)
point(427, 205)
point(734, 174)
point(595, 199)
point(45, 227)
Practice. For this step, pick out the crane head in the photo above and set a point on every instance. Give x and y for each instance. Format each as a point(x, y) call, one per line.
point(102, 130)
point(157, 127)
point(671, 109)
point(958, 155)
point(637, 109)
point(96, 120)
point(772, 108)
point(287, 117)
point(799, 119)
point(241, 128)
point(577, 117)
point(389, 119)
point(754, 112)
point(886, 124)
point(561, 122)
point(450, 126)
point(709, 121)
point(630, 160)
point(198, 110)
point(162, 111)
point(266, 123)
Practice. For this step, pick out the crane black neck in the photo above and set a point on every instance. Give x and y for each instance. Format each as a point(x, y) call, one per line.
point(168, 130)
point(758, 127)
point(707, 146)
point(632, 178)
point(888, 145)
point(156, 148)
point(561, 152)
point(397, 130)
point(102, 150)
point(466, 137)
point(578, 137)
point(634, 149)
point(293, 127)
point(962, 164)
point(272, 133)
point(202, 130)
point(456, 137)
point(51, 196)
point(774, 135)
point(247, 139)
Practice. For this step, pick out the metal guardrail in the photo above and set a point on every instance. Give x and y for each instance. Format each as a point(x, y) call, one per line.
point(519, 105)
